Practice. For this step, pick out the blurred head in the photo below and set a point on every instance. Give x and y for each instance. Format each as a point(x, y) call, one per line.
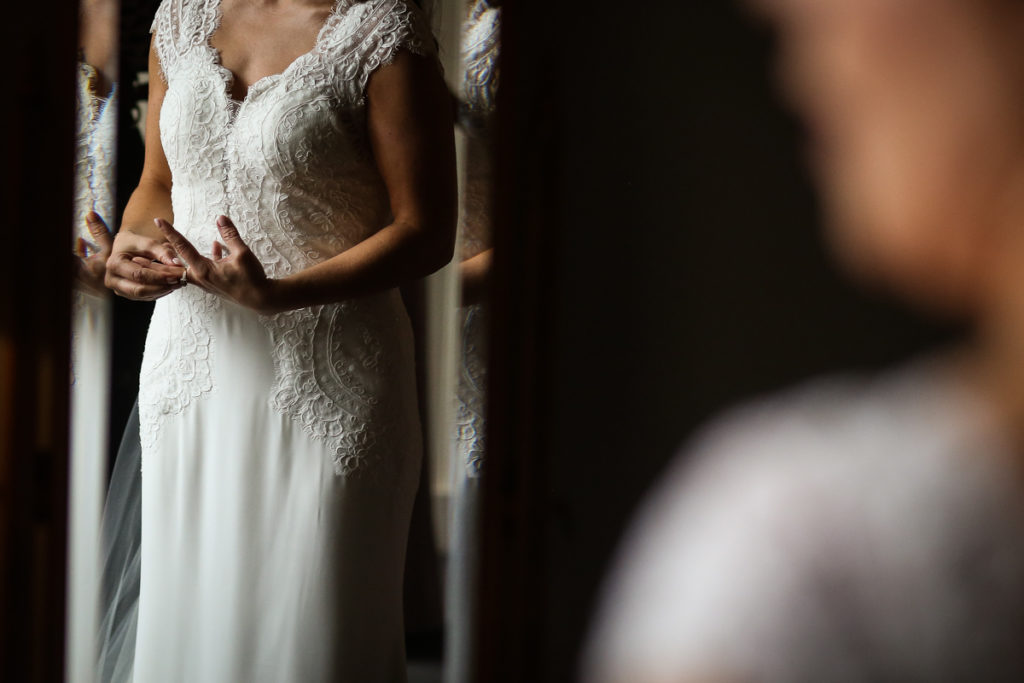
point(915, 110)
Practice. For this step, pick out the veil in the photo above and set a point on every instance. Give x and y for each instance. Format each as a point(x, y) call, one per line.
point(122, 535)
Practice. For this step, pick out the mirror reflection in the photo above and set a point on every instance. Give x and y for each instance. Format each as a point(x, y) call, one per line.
point(94, 208)
point(477, 114)
point(299, 168)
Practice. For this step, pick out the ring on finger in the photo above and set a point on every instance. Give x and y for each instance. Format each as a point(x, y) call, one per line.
point(184, 276)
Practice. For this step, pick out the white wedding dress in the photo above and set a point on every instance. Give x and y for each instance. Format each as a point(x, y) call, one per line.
point(280, 453)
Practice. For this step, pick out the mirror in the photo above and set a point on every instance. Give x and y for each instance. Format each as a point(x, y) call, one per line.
point(310, 483)
point(94, 207)
point(477, 119)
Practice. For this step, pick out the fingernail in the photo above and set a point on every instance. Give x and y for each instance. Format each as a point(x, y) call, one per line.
point(156, 222)
point(178, 261)
point(222, 221)
point(173, 280)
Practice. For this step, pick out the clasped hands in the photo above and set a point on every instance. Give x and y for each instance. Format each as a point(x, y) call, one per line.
point(143, 268)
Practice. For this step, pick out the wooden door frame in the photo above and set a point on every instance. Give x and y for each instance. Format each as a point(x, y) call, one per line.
point(511, 582)
point(35, 280)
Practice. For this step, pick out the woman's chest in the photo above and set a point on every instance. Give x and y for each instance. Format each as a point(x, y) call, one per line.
point(255, 40)
point(307, 119)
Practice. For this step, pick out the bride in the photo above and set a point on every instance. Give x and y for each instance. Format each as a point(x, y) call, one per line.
point(299, 166)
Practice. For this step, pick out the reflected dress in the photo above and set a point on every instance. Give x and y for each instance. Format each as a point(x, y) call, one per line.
point(280, 454)
point(480, 50)
point(95, 155)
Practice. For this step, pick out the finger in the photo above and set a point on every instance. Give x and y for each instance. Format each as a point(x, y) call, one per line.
point(81, 248)
point(139, 245)
point(99, 231)
point(135, 290)
point(229, 233)
point(165, 254)
point(218, 251)
point(121, 267)
point(186, 252)
point(169, 271)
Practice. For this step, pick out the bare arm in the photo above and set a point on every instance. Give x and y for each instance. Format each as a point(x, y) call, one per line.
point(152, 198)
point(411, 132)
point(141, 265)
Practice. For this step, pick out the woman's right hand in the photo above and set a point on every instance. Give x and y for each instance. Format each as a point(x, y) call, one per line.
point(142, 268)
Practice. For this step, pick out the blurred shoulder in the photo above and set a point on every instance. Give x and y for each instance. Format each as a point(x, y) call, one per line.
point(773, 525)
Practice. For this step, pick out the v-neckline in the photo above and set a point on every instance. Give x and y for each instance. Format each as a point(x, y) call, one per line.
point(230, 78)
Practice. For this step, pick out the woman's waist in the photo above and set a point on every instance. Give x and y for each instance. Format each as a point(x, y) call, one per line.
point(364, 342)
point(283, 245)
point(189, 309)
point(337, 220)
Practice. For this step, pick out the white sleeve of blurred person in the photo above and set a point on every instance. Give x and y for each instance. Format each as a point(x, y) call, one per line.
point(821, 536)
point(710, 581)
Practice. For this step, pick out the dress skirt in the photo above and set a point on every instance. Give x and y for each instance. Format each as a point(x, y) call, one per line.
point(260, 562)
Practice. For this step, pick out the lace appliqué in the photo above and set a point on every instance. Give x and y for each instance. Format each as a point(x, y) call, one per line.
point(176, 362)
point(471, 392)
point(330, 366)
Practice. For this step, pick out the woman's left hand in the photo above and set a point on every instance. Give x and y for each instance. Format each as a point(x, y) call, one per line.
point(233, 272)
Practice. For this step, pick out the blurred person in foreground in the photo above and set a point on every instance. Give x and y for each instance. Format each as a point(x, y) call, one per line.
point(865, 528)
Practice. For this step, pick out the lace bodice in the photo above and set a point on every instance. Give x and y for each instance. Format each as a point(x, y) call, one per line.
point(96, 151)
point(291, 164)
point(471, 390)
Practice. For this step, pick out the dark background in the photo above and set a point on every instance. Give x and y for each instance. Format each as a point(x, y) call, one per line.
point(130, 319)
point(659, 258)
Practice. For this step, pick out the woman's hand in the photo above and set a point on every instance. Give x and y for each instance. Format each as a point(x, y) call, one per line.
point(233, 272)
point(92, 268)
point(142, 268)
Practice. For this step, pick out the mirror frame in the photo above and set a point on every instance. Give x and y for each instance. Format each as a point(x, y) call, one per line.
point(35, 340)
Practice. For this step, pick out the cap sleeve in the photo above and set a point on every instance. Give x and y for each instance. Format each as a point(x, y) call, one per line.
point(164, 30)
point(390, 26)
point(180, 26)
